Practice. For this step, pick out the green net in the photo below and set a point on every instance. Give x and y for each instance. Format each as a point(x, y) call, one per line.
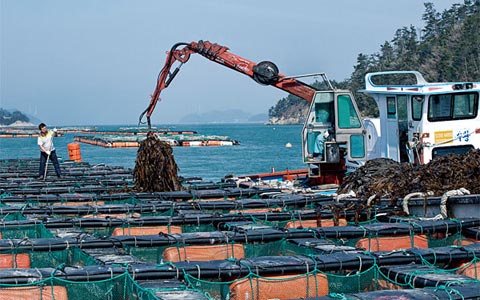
point(128, 229)
point(121, 287)
point(181, 252)
point(311, 284)
point(316, 283)
point(20, 258)
point(353, 281)
point(25, 231)
point(265, 249)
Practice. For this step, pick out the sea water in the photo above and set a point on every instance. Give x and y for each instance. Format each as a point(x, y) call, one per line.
point(262, 148)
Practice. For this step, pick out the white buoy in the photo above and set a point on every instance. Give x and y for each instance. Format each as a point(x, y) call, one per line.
point(288, 145)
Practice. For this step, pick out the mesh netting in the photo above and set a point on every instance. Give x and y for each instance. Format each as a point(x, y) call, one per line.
point(17, 258)
point(311, 284)
point(117, 288)
point(24, 231)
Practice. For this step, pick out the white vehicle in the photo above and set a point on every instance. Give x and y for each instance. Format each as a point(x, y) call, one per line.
point(417, 121)
point(333, 135)
point(423, 120)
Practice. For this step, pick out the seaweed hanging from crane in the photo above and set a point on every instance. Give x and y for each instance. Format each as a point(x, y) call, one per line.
point(155, 167)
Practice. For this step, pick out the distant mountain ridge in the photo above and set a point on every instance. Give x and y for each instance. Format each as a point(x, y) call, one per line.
point(14, 118)
point(224, 116)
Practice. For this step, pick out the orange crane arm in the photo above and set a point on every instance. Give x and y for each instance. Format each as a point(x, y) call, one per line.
point(265, 72)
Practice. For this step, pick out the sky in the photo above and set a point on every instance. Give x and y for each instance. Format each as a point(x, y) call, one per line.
point(95, 62)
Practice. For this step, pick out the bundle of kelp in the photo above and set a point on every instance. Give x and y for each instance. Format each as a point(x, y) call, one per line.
point(155, 167)
point(385, 177)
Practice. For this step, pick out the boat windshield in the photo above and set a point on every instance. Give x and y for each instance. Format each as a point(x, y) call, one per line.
point(446, 107)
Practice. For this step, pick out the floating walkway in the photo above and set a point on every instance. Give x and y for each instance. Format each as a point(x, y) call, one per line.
point(90, 235)
point(130, 131)
point(180, 140)
point(21, 133)
point(127, 137)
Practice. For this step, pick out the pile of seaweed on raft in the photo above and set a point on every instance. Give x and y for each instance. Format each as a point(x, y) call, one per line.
point(388, 178)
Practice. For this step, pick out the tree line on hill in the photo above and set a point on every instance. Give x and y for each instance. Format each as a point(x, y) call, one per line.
point(447, 48)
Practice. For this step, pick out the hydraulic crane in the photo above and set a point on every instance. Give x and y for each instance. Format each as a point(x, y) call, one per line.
point(265, 72)
point(333, 130)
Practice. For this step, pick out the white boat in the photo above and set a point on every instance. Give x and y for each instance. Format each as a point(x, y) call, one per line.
point(422, 120)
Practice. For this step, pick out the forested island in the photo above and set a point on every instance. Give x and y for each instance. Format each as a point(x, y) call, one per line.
point(8, 118)
point(446, 49)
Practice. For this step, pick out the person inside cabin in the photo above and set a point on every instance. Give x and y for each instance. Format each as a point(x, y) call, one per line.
point(319, 146)
point(324, 118)
point(47, 151)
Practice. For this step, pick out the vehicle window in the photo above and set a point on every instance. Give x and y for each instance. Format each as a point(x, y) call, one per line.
point(347, 116)
point(357, 146)
point(391, 107)
point(452, 106)
point(324, 112)
point(417, 103)
point(463, 106)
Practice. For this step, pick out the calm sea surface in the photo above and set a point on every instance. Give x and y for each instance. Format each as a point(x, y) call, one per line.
point(261, 148)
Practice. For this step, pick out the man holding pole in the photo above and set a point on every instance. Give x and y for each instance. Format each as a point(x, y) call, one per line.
point(47, 151)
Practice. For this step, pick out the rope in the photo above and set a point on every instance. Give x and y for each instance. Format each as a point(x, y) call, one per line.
point(350, 194)
point(443, 203)
point(338, 296)
point(407, 198)
point(371, 199)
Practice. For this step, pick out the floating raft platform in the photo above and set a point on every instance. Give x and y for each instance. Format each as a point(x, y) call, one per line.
point(21, 133)
point(131, 132)
point(181, 140)
point(127, 137)
point(90, 235)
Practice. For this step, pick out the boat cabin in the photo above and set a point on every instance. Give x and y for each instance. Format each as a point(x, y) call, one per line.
point(421, 120)
point(333, 132)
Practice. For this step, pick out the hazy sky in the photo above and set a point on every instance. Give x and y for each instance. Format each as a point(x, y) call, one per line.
point(96, 61)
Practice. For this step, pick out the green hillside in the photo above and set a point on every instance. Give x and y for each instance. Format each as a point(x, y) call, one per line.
point(447, 48)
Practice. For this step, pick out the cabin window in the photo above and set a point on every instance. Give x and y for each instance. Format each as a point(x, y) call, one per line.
point(357, 146)
point(452, 106)
point(463, 106)
point(417, 107)
point(347, 116)
point(391, 107)
point(324, 113)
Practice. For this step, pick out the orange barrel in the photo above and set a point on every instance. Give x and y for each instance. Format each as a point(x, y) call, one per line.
point(280, 287)
point(34, 293)
point(386, 243)
point(470, 269)
point(19, 260)
point(255, 210)
point(314, 224)
point(203, 253)
point(74, 152)
point(146, 230)
point(214, 143)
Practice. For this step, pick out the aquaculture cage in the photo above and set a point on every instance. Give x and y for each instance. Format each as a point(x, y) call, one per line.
point(86, 235)
point(17, 226)
point(314, 283)
point(325, 276)
point(41, 253)
point(121, 287)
